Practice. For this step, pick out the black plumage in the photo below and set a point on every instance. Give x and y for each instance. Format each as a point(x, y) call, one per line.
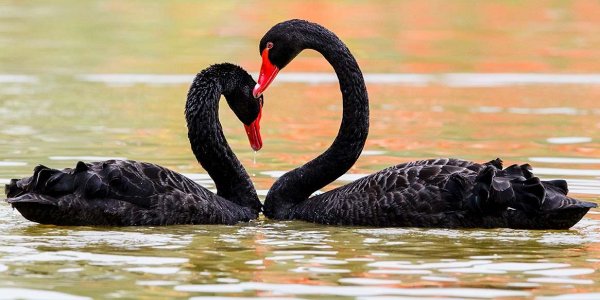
point(441, 192)
point(447, 193)
point(125, 192)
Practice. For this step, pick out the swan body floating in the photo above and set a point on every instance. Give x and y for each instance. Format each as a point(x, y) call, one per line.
point(442, 192)
point(126, 192)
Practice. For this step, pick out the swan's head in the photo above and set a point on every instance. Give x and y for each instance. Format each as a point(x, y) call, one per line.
point(237, 88)
point(249, 111)
point(280, 45)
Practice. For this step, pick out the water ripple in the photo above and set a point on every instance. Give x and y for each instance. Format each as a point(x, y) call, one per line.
point(348, 291)
point(367, 281)
point(449, 79)
point(12, 78)
point(579, 296)
point(85, 238)
point(94, 258)
point(566, 160)
point(12, 163)
point(31, 294)
point(565, 172)
point(154, 270)
point(569, 140)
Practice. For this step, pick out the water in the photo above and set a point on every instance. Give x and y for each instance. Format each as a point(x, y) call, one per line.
point(97, 80)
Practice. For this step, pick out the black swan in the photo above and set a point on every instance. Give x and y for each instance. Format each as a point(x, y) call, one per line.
point(125, 192)
point(441, 192)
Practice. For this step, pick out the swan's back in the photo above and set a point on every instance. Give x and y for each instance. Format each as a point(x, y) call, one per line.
point(119, 192)
point(447, 193)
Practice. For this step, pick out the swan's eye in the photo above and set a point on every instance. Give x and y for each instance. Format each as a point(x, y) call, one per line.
point(269, 45)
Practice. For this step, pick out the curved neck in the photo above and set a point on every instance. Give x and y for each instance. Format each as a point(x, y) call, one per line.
point(210, 146)
point(298, 184)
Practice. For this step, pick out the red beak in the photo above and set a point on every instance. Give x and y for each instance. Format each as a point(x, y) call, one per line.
point(253, 132)
point(268, 71)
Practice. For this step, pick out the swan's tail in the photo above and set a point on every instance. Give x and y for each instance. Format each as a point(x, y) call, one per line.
point(36, 197)
point(44, 181)
point(525, 200)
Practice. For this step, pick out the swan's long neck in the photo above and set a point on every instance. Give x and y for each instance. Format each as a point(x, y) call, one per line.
point(210, 146)
point(297, 185)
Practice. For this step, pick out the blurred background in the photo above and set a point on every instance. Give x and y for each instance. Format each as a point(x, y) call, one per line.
point(64, 37)
point(91, 80)
point(109, 78)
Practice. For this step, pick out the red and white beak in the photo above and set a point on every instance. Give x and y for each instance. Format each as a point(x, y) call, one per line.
point(268, 71)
